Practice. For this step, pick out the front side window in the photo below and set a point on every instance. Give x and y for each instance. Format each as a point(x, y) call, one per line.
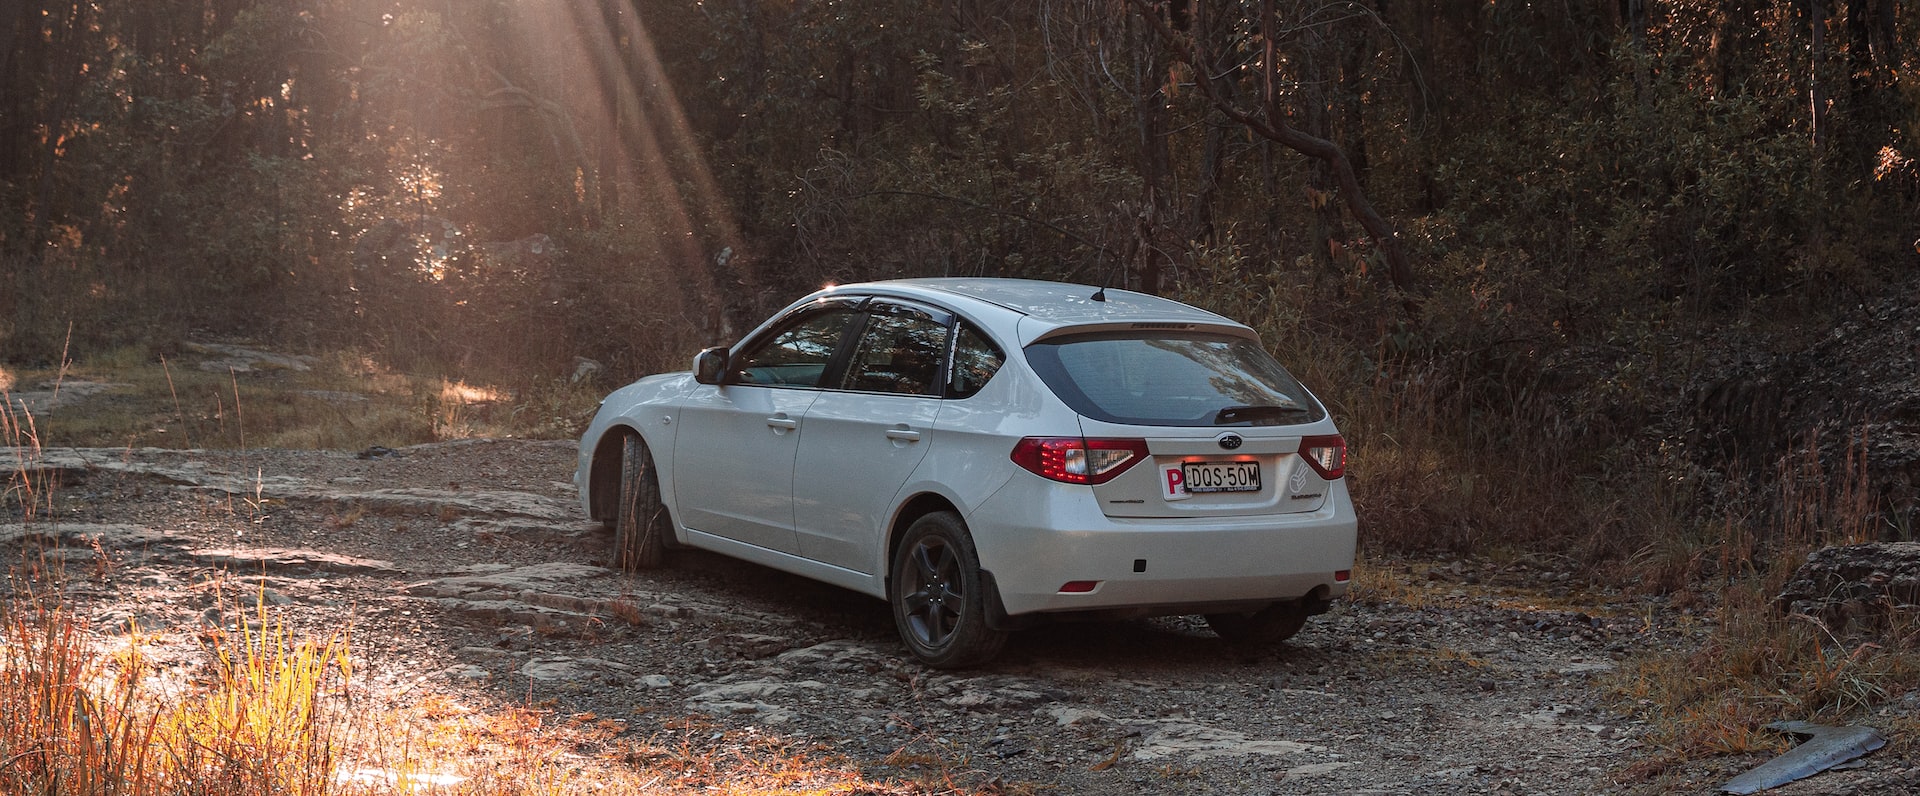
point(1160, 379)
point(899, 352)
point(797, 356)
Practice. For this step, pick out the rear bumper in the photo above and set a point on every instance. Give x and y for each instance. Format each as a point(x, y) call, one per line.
point(1035, 536)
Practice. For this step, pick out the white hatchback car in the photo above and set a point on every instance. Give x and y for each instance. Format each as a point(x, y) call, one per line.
point(984, 454)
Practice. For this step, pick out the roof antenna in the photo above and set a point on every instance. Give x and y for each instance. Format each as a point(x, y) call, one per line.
point(1101, 294)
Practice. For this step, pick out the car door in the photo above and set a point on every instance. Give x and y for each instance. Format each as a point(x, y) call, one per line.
point(865, 438)
point(734, 455)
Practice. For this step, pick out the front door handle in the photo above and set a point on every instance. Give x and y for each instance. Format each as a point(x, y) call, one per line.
point(902, 432)
point(781, 423)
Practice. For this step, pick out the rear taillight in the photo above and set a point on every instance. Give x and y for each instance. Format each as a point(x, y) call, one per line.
point(1074, 460)
point(1327, 455)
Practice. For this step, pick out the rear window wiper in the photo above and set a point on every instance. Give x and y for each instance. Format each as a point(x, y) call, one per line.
point(1255, 414)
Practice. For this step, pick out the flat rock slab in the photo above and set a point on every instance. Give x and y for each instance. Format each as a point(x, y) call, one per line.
point(79, 534)
point(285, 560)
point(51, 396)
point(539, 578)
point(181, 467)
point(223, 357)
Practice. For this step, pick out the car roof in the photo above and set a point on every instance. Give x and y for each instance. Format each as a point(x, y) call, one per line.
point(1053, 304)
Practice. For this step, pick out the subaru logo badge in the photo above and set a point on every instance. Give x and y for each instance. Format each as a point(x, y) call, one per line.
point(1231, 441)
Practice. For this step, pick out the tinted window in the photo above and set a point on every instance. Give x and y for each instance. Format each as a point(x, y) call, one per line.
point(899, 352)
point(1172, 380)
point(975, 360)
point(797, 356)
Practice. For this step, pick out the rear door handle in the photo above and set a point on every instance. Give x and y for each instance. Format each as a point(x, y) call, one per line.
point(901, 432)
point(780, 423)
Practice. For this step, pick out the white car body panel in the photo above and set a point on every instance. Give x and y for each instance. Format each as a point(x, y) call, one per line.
point(859, 449)
point(647, 406)
point(822, 498)
point(1035, 536)
point(735, 454)
point(1288, 485)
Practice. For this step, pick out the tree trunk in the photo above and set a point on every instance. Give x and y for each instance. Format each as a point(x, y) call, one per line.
point(1150, 114)
point(1816, 93)
point(1271, 125)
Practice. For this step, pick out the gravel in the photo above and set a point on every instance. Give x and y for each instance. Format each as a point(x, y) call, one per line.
point(467, 568)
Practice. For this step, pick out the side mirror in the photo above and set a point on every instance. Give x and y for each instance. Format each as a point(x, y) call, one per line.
point(710, 366)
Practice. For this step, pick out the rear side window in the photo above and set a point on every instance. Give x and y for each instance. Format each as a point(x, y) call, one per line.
point(899, 352)
point(1160, 379)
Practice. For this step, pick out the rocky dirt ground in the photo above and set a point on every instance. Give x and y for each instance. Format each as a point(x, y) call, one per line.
point(467, 567)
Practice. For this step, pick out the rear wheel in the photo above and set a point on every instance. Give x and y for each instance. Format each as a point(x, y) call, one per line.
point(1271, 625)
point(938, 600)
point(640, 524)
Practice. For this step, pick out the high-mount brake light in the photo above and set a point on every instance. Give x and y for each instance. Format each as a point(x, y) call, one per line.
point(1077, 460)
point(1327, 455)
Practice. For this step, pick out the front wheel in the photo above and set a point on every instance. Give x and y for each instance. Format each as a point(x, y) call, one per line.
point(640, 523)
point(938, 600)
point(1271, 625)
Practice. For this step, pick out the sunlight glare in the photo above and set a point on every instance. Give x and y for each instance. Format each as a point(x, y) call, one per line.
point(459, 392)
point(661, 169)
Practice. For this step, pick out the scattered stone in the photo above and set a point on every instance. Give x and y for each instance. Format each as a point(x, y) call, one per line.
point(749, 645)
point(1070, 716)
point(838, 655)
point(754, 689)
point(1175, 738)
point(1314, 770)
point(574, 670)
point(469, 673)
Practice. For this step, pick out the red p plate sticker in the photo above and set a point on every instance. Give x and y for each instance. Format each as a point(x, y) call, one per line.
point(1173, 482)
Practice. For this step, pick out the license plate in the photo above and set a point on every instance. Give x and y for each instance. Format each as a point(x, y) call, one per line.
point(1221, 476)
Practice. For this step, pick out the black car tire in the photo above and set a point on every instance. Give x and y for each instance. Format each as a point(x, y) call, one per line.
point(937, 595)
point(640, 523)
point(1271, 625)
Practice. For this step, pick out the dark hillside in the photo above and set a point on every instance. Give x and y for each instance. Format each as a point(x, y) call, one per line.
point(1850, 400)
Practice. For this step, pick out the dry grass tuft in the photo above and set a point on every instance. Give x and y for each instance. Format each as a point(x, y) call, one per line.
point(1756, 664)
point(268, 711)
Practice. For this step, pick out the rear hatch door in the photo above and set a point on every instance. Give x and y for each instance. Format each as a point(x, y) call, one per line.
point(1199, 472)
point(1217, 424)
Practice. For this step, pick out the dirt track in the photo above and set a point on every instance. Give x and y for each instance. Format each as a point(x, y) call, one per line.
point(466, 567)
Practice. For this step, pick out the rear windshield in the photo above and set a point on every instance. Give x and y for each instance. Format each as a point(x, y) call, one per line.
point(1161, 379)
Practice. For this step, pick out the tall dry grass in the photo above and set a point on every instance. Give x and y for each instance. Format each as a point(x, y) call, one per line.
point(265, 717)
point(266, 710)
point(1756, 663)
